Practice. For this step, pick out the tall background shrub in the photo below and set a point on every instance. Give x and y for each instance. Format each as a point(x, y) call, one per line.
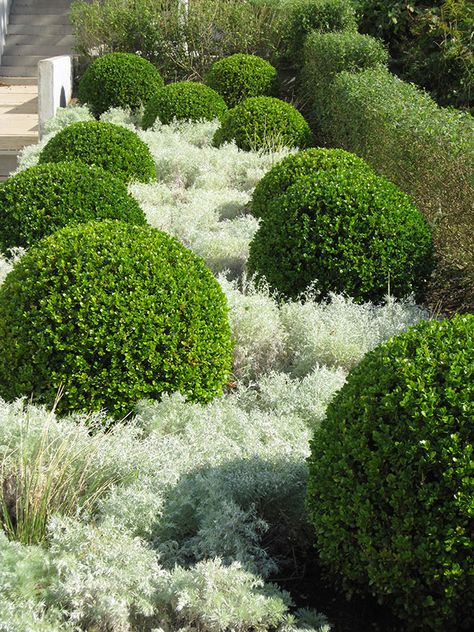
point(181, 49)
point(430, 44)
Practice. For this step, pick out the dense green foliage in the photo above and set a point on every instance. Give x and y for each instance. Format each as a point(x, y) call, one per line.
point(112, 313)
point(118, 80)
point(430, 44)
point(428, 151)
point(305, 16)
point(184, 101)
point(109, 146)
point(40, 200)
point(264, 123)
point(304, 163)
point(390, 490)
point(343, 231)
point(326, 54)
point(241, 76)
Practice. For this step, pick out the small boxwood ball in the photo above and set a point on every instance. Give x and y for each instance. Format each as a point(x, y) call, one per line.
point(112, 147)
point(40, 200)
point(343, 231)
point(241, 76)
point(264, 123)
point(113, 313)
point(184, 101)
point(390, 489)
point(303, 163)
point(118, 80)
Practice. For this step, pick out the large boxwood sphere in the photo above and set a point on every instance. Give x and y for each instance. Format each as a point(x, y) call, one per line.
point(115, 313)
point(343, 231)
point(241, 76)
point(44, 198)
point(303, 163)
point(109, 146)
point(264, 123)
point(391, 487)
point(118, 80)
point(184, 101)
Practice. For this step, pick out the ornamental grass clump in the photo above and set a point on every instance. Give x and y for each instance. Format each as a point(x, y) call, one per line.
point(390, 490)
point(40, 200)
point(241, 76)
point(112, 313)
point(264, 123)
point(184, 101)
point(119, 80)
point(304, 163)
point(48, 468)
point(105, 145)
point(343, 231)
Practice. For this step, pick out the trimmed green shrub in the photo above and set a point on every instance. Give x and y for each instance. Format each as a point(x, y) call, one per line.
point(184, 101)
point(264, 123)
point(112, 313)
point(118, 80)
point(343, 231)
point(305, 16)
point(304, 163)
point(40, 200)
point(390, 487)
point(326, 54)
point(114, 148)
point(427, 150)
point(241, 76)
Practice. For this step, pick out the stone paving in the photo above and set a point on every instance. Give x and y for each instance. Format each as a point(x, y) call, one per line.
point(18, 120)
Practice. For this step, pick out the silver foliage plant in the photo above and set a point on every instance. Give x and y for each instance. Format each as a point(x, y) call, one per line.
point(207, 503)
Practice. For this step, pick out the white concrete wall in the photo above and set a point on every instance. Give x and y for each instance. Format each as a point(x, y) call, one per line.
point(4, 17)
point(54, 87)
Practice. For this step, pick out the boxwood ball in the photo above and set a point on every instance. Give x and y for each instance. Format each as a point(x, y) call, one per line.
point(112, 313)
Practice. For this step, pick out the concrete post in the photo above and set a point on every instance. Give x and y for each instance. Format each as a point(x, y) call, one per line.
point(54, 87)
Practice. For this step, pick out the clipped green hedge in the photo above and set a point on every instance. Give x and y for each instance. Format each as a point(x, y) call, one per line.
point(327, 54)
point(40, 200)
point(304, 163)
point(184, 101)
point(114, 148)
point(343, 231)
point(427, 150)
point(304, 16)
point(390, 490)
point(118, 80)
point(113, 313)
point(264, 123)
point(242, 76)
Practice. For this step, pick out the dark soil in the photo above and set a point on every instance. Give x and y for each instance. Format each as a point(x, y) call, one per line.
point(314, 590)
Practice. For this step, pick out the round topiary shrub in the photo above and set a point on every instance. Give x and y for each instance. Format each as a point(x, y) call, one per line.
point(114, 148)
point(390, 490)
point(184, 101)
point(241, 76)
point(303, 163)
point(113, 313)
point(264, 123)
point(118, 80)
point(343, 231)
point(40, 200)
